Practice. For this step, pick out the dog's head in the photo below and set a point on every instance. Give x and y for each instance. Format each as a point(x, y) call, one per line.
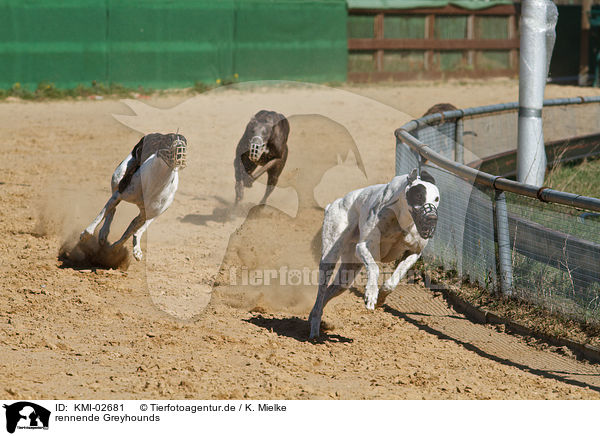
point(423, 198)
point(175, 156)
point(258, 143)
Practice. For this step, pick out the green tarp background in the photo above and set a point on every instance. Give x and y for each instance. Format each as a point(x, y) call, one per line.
point(170, 43)
point(60, 41)
point(411, 4)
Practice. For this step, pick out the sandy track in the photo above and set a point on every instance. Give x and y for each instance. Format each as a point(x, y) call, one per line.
point(144, 333)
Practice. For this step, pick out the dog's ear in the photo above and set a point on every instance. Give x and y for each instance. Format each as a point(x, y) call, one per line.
point(412, 176)
point(426, 177)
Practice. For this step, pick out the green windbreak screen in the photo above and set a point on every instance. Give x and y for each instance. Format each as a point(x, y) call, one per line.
point(287, 39)
point(170, 43)
point(163, 43)
point(56, 41)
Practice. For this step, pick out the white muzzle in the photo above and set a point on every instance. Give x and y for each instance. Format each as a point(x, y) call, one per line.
point(175, 156)
point(257, 148)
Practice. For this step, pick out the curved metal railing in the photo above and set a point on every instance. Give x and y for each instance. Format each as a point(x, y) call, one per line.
point(545, 194)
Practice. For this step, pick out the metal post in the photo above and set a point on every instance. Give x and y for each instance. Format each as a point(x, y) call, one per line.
point(459, 145)
point(378, 34)
point(584, 42)
point(503, 239)
point(538, 18)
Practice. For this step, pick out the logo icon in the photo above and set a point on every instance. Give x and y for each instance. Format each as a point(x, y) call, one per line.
point(26, 415)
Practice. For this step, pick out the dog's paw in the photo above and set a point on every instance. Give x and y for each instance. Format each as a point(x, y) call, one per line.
point(85, 235)
point(371, 299)
point(102, 238)
point(315, 325)
point(137, 253)
point(383, 294)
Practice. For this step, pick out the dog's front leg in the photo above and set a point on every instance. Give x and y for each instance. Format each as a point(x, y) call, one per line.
point(239, 191)
point(399, 273)
point(363, 251)
point(260, 171)
point(242, 177)
point(137, 237)
point(108, 208)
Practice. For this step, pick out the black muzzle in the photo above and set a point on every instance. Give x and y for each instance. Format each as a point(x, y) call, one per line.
point(425, 218)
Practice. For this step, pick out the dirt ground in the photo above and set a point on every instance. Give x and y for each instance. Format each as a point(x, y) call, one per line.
point(185, 322)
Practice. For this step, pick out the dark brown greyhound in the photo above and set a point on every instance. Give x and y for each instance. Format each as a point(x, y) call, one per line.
point(264, 145)
point(440, 107)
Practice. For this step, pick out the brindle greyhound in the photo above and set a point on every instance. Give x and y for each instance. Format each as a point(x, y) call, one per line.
point(435, 109)
point(440, 107)
point(264, 144)
point(148, 177)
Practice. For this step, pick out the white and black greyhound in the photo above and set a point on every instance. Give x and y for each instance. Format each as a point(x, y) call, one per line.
point(148, 178)
point(378, 223)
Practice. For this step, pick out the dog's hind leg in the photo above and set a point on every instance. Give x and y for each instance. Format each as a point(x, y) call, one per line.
point(344, 278)
point(137, 236)
point(332, 241)
point(314, 319)
point(105, 229)
point(134, 226)
point(108, 212)
point(109, 208)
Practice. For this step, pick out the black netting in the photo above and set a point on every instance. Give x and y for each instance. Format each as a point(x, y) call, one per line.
point(488, 135)
point(556, 256)
point(555, 249)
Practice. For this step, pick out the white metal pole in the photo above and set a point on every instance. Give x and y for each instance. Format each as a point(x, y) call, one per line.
point(538, 20)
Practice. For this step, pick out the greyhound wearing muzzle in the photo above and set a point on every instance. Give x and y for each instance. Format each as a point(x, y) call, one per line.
point(148, 177)
point(262, 148)
point(388, 222)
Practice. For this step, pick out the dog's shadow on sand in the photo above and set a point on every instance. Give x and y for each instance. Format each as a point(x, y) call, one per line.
point(295, 328)
point(222, 213)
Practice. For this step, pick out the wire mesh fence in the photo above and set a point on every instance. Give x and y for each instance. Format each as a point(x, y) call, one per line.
point(554, 248)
